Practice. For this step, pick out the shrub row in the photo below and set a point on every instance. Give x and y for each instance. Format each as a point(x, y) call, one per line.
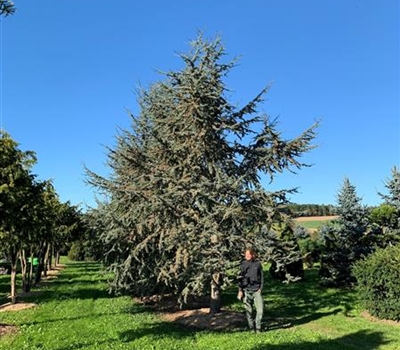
point(378, 283)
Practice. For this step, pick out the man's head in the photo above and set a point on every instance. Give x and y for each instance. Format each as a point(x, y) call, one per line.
point(249, 254)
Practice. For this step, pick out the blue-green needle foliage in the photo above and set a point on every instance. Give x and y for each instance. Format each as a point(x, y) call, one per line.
point(185, 194)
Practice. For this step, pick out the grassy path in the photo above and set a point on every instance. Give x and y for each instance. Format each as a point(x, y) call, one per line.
point(74, 311)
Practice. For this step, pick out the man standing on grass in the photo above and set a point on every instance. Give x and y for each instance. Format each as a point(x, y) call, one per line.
point(251, 282)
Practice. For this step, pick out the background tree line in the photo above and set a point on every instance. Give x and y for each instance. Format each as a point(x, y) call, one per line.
point(34, 225)
point(300, 210)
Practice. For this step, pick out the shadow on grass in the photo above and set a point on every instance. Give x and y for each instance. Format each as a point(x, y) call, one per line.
point(85, 266)
point(71, 275)
point(364, 339)
point(4, 284)
point(134, 309)
point(158, 330)
point(287, 322)
point(76, 281)
point(306, 301)
point(293, 304)
point(152, 331)
point(286, 305)
point(305, 297)
point(46, 295)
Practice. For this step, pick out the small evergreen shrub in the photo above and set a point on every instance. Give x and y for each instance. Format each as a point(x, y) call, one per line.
point(378, 283)
point(76, 253)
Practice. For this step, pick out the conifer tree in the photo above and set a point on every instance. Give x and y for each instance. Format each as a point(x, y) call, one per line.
point(185, 196)
point(393, 186)
point(285, 255)
point(6, 8)
point(390, 230)
point(346, 239)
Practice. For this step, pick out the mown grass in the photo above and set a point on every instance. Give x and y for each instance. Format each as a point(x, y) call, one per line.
point(74, 311)
point(315, 224)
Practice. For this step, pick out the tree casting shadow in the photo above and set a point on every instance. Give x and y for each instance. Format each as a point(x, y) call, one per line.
point(364, 339)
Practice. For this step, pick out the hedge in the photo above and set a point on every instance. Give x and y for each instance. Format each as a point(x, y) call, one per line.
point(378, 283)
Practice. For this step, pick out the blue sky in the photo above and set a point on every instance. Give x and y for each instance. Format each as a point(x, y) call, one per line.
point(69, 71)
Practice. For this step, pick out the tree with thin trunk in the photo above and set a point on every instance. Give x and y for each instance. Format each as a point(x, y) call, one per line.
point(16, 183)
point(46, 228)
point(35, 219)
point(186, 196)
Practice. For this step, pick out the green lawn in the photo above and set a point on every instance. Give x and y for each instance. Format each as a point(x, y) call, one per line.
point(74, 311)
point(313, 224)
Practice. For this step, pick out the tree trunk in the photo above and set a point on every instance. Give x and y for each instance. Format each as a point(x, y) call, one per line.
point(51, 255)
point(13, 284)
point(40, 266)
point(46, 266)
point(57, 258)
point(14, 259)
point(30, 273)
point(24, 273)
point(215, 300)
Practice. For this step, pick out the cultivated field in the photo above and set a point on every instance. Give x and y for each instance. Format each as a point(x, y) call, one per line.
point(313, 223)
point(315, 218)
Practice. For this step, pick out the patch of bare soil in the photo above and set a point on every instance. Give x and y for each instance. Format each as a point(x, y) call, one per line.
point(202, 319)
point(196, 315)
point(8, 329)
point(371, 318)
point(53, 272)
point(315, 218)
point(16, 307)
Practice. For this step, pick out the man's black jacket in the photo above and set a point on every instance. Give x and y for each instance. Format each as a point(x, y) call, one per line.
point(251, 276)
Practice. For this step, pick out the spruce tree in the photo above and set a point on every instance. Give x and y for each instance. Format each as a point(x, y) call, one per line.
point(285, 255)
point(390, 230)
point(185, 196)
point(393, 186)
point(345, 240)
